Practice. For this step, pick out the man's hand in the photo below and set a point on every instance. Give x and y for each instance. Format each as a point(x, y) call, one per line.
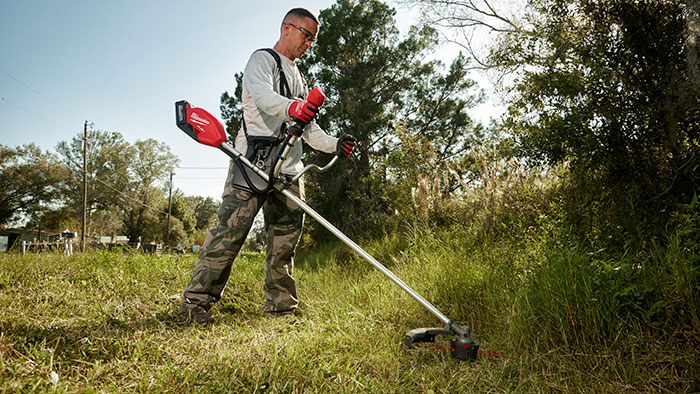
point(303, 111)
point(346, 144)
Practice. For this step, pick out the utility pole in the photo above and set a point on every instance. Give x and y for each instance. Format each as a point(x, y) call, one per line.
point(170, 195)
point(84, 224)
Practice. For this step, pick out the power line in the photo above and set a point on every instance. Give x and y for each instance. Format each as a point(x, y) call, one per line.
point(35, 114)
point(129, 197)
point(42, 95)
point(71, 131)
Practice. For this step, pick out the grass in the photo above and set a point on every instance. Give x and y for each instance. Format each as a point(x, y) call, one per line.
point(107, 322)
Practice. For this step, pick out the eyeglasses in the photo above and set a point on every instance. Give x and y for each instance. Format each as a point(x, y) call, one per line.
point(307, 34)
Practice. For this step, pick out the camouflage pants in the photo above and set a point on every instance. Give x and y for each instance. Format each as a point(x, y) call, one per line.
point(283, 222)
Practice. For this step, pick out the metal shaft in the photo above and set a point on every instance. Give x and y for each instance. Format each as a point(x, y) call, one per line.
point(237, 155)
point(367, 256)
point(289, 142)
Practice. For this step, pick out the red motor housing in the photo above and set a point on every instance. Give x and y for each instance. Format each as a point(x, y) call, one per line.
point(199, 124)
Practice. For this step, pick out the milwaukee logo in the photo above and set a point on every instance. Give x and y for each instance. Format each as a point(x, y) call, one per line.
point(197, 119)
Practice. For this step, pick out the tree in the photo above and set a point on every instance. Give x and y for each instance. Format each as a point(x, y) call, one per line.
point(617, 100)
point(206, 216)
point(29, 178)
point(476, 24)
point(613, 88)
point(205, 210)
point(108, 156)
point(375, 80)
point(185, 212)
point(126, 183)
point(231, 109)
point(58, 219)
point(149, 169)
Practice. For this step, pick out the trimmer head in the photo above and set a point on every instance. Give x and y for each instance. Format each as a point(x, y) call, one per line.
point(463, 346)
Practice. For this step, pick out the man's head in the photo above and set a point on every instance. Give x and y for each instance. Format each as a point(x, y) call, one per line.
point(298, 33)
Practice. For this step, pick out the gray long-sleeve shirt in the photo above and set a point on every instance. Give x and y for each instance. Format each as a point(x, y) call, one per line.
point(265, 109)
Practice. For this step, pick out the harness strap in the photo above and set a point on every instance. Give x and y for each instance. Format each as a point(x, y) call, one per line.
point(283, 89)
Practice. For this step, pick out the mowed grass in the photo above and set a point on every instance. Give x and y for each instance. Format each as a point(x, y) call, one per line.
point(108, 322)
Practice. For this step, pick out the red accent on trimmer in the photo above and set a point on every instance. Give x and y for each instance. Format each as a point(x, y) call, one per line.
point(208, 129)
point(200, 124)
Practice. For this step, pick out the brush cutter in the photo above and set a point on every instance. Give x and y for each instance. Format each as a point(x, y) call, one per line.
point(206, 129)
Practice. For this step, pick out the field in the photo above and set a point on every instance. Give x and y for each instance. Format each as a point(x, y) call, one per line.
point(108, 322)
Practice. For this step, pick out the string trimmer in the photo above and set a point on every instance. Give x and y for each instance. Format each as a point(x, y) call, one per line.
point(206, 129)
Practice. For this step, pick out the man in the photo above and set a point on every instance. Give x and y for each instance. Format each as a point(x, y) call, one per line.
point(268, 106)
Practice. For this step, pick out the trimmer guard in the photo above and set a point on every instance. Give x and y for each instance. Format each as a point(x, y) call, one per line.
point(463, 346)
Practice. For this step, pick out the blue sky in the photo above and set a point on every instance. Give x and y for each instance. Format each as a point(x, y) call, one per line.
point(122, 65)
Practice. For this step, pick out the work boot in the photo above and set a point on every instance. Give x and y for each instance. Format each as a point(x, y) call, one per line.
point(197, 315)
point(270, 310)
point(278, 314)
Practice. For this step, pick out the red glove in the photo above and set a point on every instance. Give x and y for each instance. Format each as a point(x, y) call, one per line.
point(346, 144)
point(303, 111)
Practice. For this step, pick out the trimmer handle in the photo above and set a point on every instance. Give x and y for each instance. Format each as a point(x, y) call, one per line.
point(316, 97)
